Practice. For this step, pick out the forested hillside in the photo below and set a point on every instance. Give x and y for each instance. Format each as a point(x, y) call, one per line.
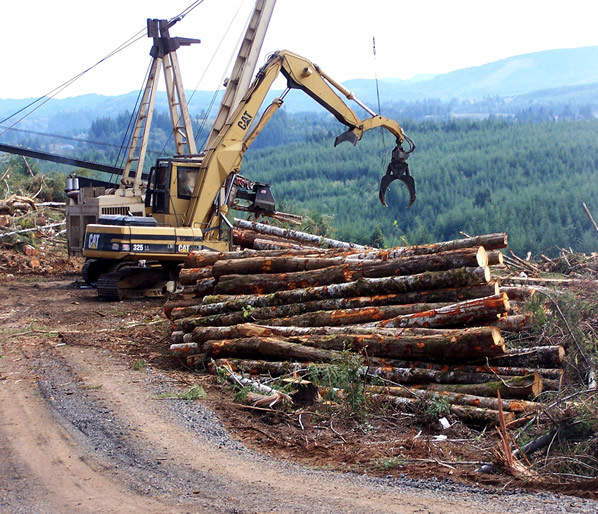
point(477, 177)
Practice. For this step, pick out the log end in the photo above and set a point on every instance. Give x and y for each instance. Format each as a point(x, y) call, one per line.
point(482, 257)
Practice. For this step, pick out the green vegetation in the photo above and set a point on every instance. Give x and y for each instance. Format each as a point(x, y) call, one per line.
point(528, 180)
point(193, 393)
point(139, 364)
point(342, 382)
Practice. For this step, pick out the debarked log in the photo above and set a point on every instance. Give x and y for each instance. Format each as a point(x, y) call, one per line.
point(468, 414)
point(350, 271)
point(470, 311)
point(483, 402)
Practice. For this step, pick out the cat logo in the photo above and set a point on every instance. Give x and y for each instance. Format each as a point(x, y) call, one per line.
point(93, 241)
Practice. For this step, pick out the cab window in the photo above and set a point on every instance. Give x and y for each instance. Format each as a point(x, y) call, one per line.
point(186, 178)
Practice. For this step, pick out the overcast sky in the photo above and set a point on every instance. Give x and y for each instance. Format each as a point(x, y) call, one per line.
point(47, 42)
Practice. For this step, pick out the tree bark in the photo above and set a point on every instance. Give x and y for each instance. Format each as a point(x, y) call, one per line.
point(293, 234)
point(265, 347)
point(535, 356)
point(171, 305)
point(545, 373)
point(190, 276)
point(446, 348)
point(308, 319)
point(200, 334)
point(350, 316)
point(231, 303)
point(489, 242)
point(349, 271)
point(483, 402)
point(460, 381)
point(472, 415)
point(515, 323)
point(373, 286)
point(526, 387)
point(519, 293)
point(461, 313)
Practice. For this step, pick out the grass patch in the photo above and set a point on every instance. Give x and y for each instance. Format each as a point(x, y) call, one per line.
point(193, 393)
point(139, 364)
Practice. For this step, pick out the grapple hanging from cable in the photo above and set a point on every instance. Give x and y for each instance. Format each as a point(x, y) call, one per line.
point(398, 169)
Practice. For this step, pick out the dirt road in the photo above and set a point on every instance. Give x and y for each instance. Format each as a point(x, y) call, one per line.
point(82, 431)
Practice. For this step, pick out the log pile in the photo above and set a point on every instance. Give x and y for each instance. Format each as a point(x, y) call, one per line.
point(427, 320)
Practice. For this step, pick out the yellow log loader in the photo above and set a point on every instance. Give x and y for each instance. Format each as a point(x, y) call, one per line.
point(188, 196)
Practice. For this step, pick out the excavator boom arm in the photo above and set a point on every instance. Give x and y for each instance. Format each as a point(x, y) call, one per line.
point(225, 154)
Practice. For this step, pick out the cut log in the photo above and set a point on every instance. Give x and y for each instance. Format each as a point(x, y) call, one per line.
point(526, 387)
point(495, 258)
point(535, 356)
point(488, 241)
point(184, 349)
point(472, 415)
point(350, 271)
point(293, 234)
point(389, 285)
point(519, 293)
point(261, 367)
point(265, 347)
point(407, 265)
point(231, 303)
point(350, 316)
point(429, 379)
point(469, 343)
point(261, 243)
point(189, 276)
point(309, 319)
point(483, 402)
point(260, 265)
point(170, 305)
point(514, 323)
point(202, 258)
point(545, 373)
point(200, 334)
point(462, 313)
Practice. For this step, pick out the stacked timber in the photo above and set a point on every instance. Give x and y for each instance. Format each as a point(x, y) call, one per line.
point(427, 320)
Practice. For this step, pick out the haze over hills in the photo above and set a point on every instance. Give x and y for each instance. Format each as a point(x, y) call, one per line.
point(563, 75)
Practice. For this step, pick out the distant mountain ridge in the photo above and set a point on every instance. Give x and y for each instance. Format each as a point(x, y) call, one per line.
point(569, 75)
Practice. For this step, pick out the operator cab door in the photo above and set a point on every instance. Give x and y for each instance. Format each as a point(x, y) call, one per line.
point(156, 199)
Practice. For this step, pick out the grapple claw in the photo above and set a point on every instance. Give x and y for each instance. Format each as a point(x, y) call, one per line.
point(398, 169)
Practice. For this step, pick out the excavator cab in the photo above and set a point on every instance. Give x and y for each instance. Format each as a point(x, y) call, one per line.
point(169, 190)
